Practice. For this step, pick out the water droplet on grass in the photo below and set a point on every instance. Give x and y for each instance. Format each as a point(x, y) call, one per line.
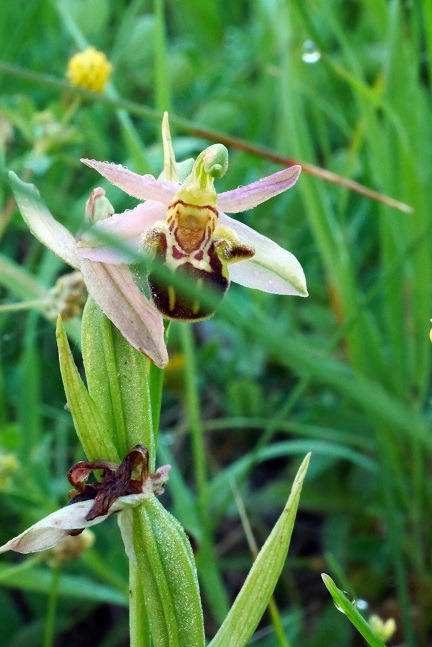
point(349, 597)
point(361, 605)
point(310, 52)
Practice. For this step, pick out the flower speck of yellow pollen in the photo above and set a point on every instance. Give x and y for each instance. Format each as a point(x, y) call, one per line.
point(89, 69)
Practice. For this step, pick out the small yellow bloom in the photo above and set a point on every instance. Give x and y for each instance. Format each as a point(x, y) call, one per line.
point(383, 629)
point(8, 465)
point(89, 69)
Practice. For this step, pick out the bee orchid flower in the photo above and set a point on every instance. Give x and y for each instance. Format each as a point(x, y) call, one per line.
point(186, 227)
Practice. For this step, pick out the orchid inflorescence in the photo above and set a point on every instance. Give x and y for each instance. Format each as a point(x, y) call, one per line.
point(185, 227)
point(182, 236)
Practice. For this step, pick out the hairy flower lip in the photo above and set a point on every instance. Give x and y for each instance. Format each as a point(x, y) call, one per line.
point(108, 279)
point(272, 269)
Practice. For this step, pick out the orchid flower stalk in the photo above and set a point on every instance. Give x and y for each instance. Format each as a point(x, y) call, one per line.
point(183, 226)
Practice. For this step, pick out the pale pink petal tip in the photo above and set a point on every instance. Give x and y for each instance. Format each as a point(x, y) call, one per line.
point(247, 197)
point(143, 187)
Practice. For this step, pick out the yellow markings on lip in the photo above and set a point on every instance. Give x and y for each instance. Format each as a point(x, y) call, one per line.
point(171, 298)
point(191, 216)
point(196, 303)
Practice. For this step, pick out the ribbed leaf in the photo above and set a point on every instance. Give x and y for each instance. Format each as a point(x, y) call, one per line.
point(255, 594)
point(117, 379)
point(169, 579)
point(90, 427)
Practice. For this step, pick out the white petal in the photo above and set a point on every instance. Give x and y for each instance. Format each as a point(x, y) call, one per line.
point(113, 289)
point(41, 223)
point(125, 522)
point(247, 197)
point(49, 531)
point(143, 187)
point(272, 268)
point(127, 227)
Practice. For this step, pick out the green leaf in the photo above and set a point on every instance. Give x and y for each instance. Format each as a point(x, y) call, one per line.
point(118, 382)
point(169, 578)
point(90, 427)
point(255, 594)
point(38, 580)
point(342, 603)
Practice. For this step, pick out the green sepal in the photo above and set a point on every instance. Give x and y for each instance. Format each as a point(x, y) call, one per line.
point(118, 382)
point(256, 592)
point(169, 578)
point(346, 606)
point(91, 428)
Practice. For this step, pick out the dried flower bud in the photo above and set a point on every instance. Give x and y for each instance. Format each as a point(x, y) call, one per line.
point(67, 297)
point(71, 547)
point(383, 629)
point(89, 69)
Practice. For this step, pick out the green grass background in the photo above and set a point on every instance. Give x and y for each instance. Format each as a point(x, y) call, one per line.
point(344, 374)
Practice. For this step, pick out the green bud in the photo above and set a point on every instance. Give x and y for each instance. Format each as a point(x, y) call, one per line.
point(98, 207)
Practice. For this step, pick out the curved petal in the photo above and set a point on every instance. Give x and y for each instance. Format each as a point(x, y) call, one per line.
point(143, 187)
point(247, 197)
point(271, 269)
point(49, 531)
point(41, 223)
point(127, 227)
point(113, 289)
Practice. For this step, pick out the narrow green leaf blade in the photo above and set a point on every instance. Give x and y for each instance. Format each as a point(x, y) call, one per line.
point(255, 594)
point(77, 587)
point(90, 427)
point(351, 612)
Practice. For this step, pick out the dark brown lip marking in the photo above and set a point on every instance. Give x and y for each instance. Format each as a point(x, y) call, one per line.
point(116, 481)
point(195, 206)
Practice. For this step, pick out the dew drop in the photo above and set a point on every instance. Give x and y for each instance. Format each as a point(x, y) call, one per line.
point(361, 605)
point(310, 52)
point(349, 597)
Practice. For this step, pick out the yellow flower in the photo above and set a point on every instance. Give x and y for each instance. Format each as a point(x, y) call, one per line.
point(8, 465)
point(89, 69)
point(383, 629)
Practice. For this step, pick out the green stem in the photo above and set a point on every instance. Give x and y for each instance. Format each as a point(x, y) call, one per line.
point(49, 632)
point(188, 126)
point(161, 69)
point(23, 305)
point(209, 572)
point(130, 134)
point(395, 535)
point(19, 568)
point(138, 619)
point(194, 417)
point(156, 377)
